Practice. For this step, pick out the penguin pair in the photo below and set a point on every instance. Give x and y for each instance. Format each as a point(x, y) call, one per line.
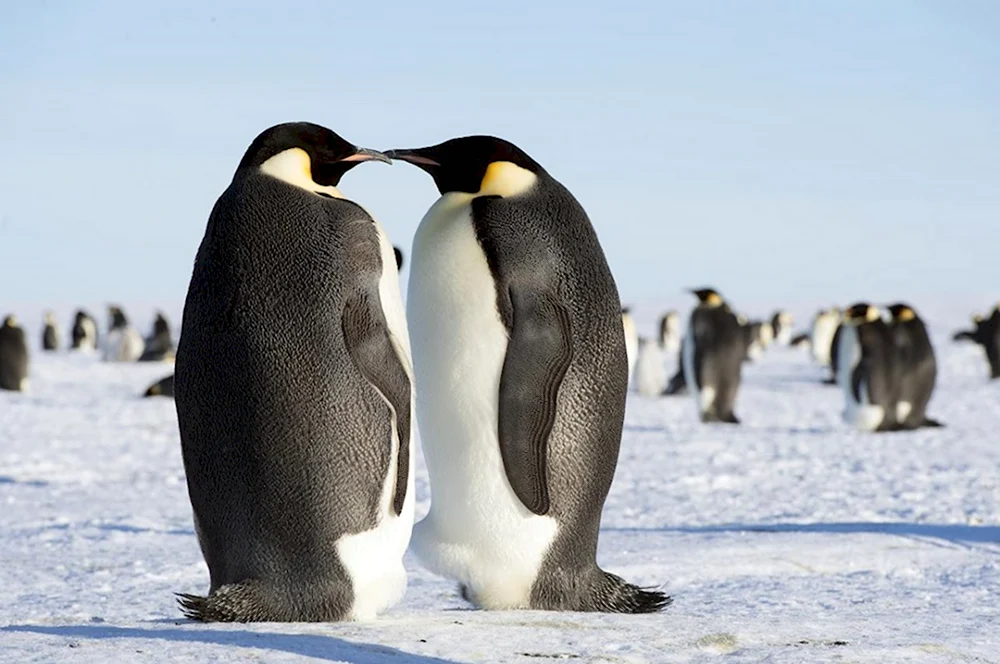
point(986, 333)
point(886, 370)
point(714, 350)
point(13, 356)
point(303, 494)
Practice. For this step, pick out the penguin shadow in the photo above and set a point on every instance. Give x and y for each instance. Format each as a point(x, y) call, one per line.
point(316, 646)
point(6, 479)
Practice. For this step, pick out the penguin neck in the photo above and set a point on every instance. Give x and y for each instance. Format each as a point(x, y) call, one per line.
point(294, 167)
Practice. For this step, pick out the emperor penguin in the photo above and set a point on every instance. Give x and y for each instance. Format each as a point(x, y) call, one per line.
point(631, 340)
point(834, 365)
point(398, 253)
point(294, 393)
point(650, 368)
point(986, 333)
point(521, 374)
point(781, 324)
point(758, 337)
point(917, 367)
point(714, 351)
point(123, 343)
point(84, 331)
point(868, 371)
point(13, 356)
point(50, 333)
point(159, 345)
point(670, 332)
point(824, 327)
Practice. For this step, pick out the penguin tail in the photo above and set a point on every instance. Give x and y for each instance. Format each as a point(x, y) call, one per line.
point(246, 601)
point(613, 594)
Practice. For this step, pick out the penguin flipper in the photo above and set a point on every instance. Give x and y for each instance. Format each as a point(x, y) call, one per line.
point(538, 355)
point(371, 349)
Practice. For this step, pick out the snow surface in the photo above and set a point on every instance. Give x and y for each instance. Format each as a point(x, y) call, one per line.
point(787, 539)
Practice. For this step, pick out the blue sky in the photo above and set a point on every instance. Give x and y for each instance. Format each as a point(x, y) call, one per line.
point(823, 150)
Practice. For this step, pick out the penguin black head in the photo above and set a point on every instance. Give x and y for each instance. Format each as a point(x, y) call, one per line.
point(483, 165)
point(901, 313)
point(399, 257)
point(161, 325)
point(861, 313)
point(707, 296)
point(302, 153)
point(117, 317)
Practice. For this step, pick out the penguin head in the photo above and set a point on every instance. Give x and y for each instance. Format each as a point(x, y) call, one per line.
point(707, 297)
point(479, 165)
point(161, 325)
point(50, 318)
point(399, 257)
point(861, 313)
point(117, 317)
point(901, 313)
point(11, 322)
point(305, 155)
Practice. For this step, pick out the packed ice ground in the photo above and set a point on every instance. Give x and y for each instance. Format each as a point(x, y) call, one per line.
point(788, 538)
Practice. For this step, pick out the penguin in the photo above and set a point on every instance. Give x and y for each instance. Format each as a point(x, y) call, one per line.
point(986, 333)
point(631, 340)
point(84, 331)
point(757, 337)
point(824, 327)
point(124, 343)
point(714, 350)
point(161, 388)
point(50, 333)
point(781, 325)
point(13, 356)
point(521, 374)
point(650, 368)
point(670, 332)
point(294, 394)
point(868, 370)
point(399, 257)
point(677, 383)
point(159, 346)
point(835, 356)
point(917, 367)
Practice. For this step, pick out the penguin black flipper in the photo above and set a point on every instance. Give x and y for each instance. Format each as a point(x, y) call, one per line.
point(538, 355)
point(366, 335)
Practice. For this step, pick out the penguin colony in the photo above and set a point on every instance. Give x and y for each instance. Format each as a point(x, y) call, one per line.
point(303, 495)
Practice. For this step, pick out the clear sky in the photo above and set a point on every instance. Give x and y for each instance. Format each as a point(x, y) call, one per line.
point(824, 149)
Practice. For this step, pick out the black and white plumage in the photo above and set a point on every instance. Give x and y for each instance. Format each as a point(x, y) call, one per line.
point(868, 371)
point(84, 332)
point(714, 350)
point(50, 332)
point(159, 345)
point(14, 356)
point(917, 372)
point(123, 342)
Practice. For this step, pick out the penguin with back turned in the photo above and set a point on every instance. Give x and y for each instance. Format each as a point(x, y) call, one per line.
point(293, 392)
point(510, 292)
point(50, 332)
point(13, 356)
point(714, 350)
point(868, 371)
point(917, 371)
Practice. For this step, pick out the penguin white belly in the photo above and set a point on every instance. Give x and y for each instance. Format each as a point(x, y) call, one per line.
point(784, 336)
point(631, 344)
point(860, 414)
point(124, 345)
point(89, 341)
point(672, 342)
point(374, 558)
point(650, 370)
point(477, 532)
point(704, 395)
point(822, 337)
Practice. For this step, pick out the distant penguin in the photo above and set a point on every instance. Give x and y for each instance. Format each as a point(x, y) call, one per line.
point(123, 343)
point(399, 257)
point(714, 350)
point(631, 340)
point(650, 368)
point(161, 388)
point(757, 337)
point(917, 367)
point(50, 333)
point(986, 333)
point(781, 325)
point(13, 356)
point(835, 356)
point(678, 383)
point(670, 332)
point(522, 375)
point(293, 392)
point(159, 346)
point(84, 331)
point(869, 370)
point(824, 327)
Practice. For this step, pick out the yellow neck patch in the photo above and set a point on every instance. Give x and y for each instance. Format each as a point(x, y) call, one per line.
point(295, 167)
point(504, 178)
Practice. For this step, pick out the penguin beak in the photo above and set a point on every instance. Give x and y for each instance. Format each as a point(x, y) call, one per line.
point(366, 154)
point(412, 156)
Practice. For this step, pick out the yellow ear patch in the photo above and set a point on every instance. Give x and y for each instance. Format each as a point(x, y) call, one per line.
point(872, 314)
point(977, 318)
point(504, 178)
point(905, 315)
point(295, 167)
point(11, 321)
point(713, 300)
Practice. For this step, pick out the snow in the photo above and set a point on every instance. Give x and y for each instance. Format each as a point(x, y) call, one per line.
point(787, 539)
